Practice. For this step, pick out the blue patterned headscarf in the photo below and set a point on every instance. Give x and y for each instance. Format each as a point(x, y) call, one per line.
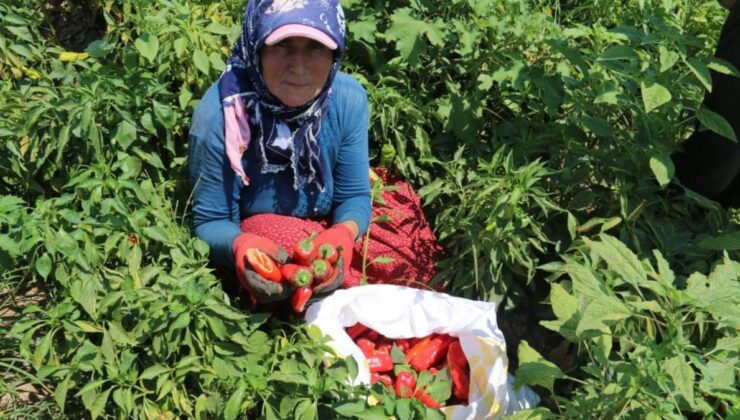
point(244, 94)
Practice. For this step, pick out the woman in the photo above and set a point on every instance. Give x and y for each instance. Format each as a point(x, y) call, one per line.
point(281, 133)
point(710, 163)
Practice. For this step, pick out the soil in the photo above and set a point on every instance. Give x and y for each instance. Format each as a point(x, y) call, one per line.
point(74, 24)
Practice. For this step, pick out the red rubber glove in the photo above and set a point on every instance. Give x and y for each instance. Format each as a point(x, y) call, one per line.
point(338, 235)
point(259, 289)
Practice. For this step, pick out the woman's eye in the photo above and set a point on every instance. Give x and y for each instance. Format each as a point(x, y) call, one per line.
point(315, 45)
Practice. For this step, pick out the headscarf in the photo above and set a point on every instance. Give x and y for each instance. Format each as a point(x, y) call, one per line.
point(284, 130)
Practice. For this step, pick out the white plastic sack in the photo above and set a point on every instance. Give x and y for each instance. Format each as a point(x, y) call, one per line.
point(403, 312)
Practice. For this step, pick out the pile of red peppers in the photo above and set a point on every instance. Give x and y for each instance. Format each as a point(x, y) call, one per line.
point(310, 267)
point(432, 353)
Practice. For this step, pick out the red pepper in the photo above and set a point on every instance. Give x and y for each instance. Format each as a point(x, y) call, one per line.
point(403, 344)
point(366, 346)
point(371, 335)
point(385, 347)
point(381, 377)
point(455, 355)
point(405, 384)
point(458, 364)
point(300, 297)
point(430, 353)
point(304, 250)
point(297, 275)
point(322, 271)
point(379, 362)
point(328, 253)
point(426, 399)
point(416, 348)
point(356, 330)
point(460, 382)
point(263, 265)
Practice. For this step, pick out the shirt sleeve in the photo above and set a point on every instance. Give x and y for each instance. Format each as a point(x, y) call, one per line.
point(351, 199)
point(215, 186)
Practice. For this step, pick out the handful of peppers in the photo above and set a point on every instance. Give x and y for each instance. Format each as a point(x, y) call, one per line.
point(311, 270)
point(401, 363)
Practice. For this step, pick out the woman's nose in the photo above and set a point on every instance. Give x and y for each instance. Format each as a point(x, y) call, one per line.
point(298, 60)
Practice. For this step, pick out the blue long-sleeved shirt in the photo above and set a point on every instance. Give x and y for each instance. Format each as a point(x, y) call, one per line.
point(220, 201)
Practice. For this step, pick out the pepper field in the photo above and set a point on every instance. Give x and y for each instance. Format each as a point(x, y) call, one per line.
point(537, 132)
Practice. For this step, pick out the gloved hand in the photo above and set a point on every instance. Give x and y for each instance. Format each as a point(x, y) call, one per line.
point(259, 289)
point(338, 236)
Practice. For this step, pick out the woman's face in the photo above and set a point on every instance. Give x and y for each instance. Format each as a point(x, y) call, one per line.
point(295, 69)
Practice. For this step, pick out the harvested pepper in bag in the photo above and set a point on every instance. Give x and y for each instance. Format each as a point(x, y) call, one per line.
point(430, 353)
point(426, 399)
point(379, 362)
point(416, 348)
point(300, 297)
point(403, 344)
point(356, 330)
point(381, 377)
point(297, 275)
point(366, 346)
point(458, 365)
point(405, 384)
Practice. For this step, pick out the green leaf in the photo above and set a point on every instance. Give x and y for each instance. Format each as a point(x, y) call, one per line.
point(201, 61)
point(727, 242)
point(724, 67)
point(182, 321)
point(305, 410)
point(217, 62)
point(364, 29)
point(667, 58)
point(218, 29)
point(119, 335)
point(534, 369)
point(352, 367)
point(716, 123)
point(157, 233)
point(60, 392)
point(563, 304)
point(148, 46)
point(619, 258)
point(602, 313)
point(233, 405)
point(184, 98)
point(154, 371)
point(65, 243)
point(99, 49)
point(88, 327)
point(407, 32)
point(701, 72)
point(654, 95)
point(682, 376)
point(403, 408)
point(662, 166)
point(351, 408)
point(619, 52)
point(539, 413)
point(125, 134)
point(98, 405)
point(43, 265)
